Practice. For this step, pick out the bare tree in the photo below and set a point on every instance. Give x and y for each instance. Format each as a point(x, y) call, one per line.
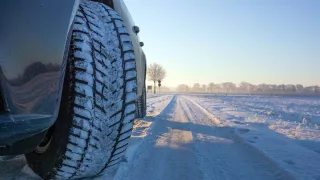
point(246, 87)
point(263, 87)
point(204, 88)
point(314, 89)
point(183, 88)
point(155, 73)
point(217, 88)
point(290, 88)
point(281, 87)
point(196, 87)
point(274, 87)
point(299, 88)
point(228, 86)
point(211, 87)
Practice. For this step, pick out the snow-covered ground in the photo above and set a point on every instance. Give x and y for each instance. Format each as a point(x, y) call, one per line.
point(230, 137)
point(295, 117)
point(15, 168)
point(217, 137)
point(284, 129)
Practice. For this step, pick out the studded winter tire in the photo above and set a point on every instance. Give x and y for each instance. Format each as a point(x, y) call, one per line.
point(98, 102)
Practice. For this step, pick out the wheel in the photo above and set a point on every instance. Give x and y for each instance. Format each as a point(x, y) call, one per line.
point(141, 105)
point(97, 107)
point(144, 102)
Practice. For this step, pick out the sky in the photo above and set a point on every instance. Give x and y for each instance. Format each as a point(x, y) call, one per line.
point(271, 41)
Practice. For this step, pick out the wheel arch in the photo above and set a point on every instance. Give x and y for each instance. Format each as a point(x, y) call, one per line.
point(32, 67)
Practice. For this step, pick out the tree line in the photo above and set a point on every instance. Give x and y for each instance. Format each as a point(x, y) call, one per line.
point(156, 72)
point(248, 88)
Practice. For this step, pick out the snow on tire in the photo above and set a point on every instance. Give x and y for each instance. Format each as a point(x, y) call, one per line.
point(97, 107)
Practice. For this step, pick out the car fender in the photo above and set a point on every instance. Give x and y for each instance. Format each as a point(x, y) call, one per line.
point(33, 53)
point(124, 13)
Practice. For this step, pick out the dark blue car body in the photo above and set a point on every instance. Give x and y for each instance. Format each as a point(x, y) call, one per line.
point(34, 42)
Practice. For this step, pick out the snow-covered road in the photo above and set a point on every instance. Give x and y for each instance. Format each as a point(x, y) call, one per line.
point(204, 137)
point(186, 143)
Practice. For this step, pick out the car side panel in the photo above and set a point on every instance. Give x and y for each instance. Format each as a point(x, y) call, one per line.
point(33, 50)
point(122, 10)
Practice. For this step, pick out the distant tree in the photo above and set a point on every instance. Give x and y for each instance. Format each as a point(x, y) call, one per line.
point(183, 88)
point(308, 89)
point(246, 87)
point(281, 87)
point(204, 88)
point(273, 87)
point(155, 73)
point(180, 88)
point(211, 87)
point(196, 87)
point(165, 89)
point(187, 88)
point(299, 88)
point(264, 87)
point(217, 88)
point(228, 86)
point(290, 88)
point(314, 89)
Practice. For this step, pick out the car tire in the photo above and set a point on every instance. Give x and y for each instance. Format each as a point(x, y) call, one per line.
point(98, 103)
point(142, 105)
point(144, 102)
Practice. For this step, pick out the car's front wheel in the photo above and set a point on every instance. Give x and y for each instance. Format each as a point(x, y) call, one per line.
point(97, 107)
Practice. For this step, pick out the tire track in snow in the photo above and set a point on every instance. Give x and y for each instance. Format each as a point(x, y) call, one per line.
point(156, 104)
point(141, 133)
point(165, 153)
point(187, 144)
point(235, 157)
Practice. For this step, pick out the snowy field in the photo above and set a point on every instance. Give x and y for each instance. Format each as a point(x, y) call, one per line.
point(216, 137)
point(285, 129)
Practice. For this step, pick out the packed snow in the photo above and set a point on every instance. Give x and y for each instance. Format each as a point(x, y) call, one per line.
point(216, 137)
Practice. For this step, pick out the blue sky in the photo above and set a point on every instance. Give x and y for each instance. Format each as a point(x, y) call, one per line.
point(274, 41)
